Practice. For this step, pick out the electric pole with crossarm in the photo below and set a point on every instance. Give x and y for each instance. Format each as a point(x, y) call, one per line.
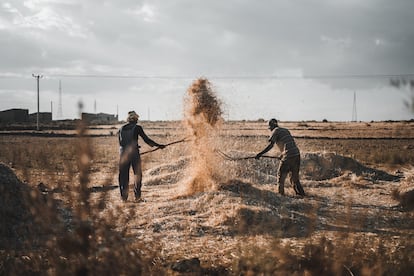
point(37, 117)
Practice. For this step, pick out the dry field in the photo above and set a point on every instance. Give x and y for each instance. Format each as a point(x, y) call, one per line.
point(63, 213)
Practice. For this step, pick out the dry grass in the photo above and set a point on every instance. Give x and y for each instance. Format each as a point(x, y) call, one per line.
point(352, 222)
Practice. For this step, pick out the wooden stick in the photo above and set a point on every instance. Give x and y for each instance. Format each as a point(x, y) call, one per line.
point(228, 157)
point(169, 144)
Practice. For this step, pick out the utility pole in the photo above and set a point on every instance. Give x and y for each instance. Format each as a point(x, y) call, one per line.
point(60, 114)
point(37, 117)
point(354, 109)
point(117, 112)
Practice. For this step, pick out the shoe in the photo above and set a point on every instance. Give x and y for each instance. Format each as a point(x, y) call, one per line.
point(137, 195)
point(299, 190)
point(124, 195)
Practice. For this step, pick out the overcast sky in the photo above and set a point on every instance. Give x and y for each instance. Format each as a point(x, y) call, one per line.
point(289, 59)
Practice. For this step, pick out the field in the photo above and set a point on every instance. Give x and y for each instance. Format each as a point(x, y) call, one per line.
point(64, 215)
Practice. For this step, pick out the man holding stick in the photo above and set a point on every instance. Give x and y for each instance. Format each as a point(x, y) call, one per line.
point(290, 158)
point(130, 156)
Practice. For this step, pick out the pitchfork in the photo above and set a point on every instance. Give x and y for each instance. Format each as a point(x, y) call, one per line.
point(228, 157)
point(169, 144)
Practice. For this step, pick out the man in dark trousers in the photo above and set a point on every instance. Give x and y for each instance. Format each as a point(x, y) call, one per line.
point(290, 158)
point(129, 154)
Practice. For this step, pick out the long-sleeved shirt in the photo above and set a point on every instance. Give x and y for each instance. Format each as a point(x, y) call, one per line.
point(128, 135)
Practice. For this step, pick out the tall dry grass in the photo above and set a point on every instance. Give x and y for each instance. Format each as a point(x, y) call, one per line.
point(72, 232)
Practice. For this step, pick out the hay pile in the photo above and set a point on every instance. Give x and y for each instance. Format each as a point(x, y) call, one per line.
point(405, 192)
point(202, 120)
point(324, 166)
point(167, 174)
point(314, 166)
point(15, 217)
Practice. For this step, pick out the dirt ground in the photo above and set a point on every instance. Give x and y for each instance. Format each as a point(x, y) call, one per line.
point(355, 176)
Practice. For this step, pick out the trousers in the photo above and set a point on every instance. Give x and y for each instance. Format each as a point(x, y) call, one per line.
point(290, 165)
point(129, 157)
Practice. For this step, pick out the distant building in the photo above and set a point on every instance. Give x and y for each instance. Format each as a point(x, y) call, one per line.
point(44, 117)
point(14, 115)
point(99, 118)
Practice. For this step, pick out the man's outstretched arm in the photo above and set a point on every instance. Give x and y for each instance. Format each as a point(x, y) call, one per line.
point(266, 149)
point(148, 140)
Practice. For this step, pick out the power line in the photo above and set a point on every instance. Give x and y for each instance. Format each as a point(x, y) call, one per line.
point(121, 76)
point(226, 77)
point(322, 76)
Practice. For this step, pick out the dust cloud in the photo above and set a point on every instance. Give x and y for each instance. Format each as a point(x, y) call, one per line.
point(202, 119)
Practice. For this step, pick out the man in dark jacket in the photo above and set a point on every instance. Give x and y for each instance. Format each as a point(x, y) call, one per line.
point(129, 154)
point(290, 158)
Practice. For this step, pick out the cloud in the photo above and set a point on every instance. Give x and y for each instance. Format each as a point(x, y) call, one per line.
point(218, 38)
point(212, 39)
point(39, 15)
point(146, 11)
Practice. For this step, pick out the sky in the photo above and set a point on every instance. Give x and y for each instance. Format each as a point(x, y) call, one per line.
point(294, 60)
